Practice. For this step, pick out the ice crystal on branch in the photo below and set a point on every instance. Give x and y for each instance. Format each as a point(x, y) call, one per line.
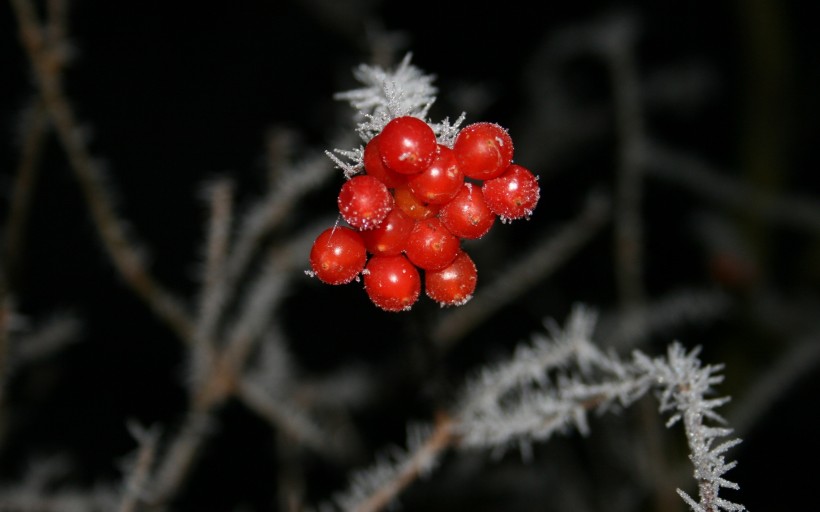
point(549, 385)
point(386, 95)
point(686, 386)
point(546, 388)
point(403, 91)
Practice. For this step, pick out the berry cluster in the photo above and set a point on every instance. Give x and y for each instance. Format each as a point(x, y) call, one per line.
point(415, 202)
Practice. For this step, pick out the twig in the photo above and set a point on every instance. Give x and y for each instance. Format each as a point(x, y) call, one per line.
point(715, 184)
point(799, 360)
point(25, 179)
point(45, 61)
point(291, 421)
point(661, 314)
point(49, 335)
point(265, 215)
point(178, 459)
point(213, 293)
point(137, 475)
point(618, 41)
point(6, 311)
point(549, 387)
point(374, 489)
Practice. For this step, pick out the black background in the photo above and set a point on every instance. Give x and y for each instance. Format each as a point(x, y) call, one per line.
point(175, 94)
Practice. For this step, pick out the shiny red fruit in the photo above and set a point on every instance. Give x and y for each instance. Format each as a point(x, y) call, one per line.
point(431, 246)
point(338, 255)
point(514, 194)
point(440, 181)
point(392, 283)
point(374, 166)
point(407, 144)
point(483, 150)
point(389, 237)
point(467, 215)
point(364, 201)
point(454, 284)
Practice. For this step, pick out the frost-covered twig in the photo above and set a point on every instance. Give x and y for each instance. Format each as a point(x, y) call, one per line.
point(374, 488)
point(47, 337)
point(139, 467)
point(389, 93)
point(20, 348)
point(548, 387)
point(122, 249)
point(545, 388)
point(292, 420)
point(175, 463)
point(685, 385)
point(617, 39)
point(660, 315)
point(35, 129)
point(716, 185)
point(267, 213)
point(212, 300)
point(41, 489)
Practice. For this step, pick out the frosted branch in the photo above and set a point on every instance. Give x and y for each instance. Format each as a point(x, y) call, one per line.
point(389, 93)
point(548, 387)
point(138, 469)
point(124, 252)
point(718, 186)
point(374, 488)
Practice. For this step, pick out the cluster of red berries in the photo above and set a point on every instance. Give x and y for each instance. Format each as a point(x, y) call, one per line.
point(415, 202)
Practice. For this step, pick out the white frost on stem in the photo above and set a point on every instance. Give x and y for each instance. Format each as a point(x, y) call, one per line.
point(685, 385)
point(386, 95)
point(549, 385)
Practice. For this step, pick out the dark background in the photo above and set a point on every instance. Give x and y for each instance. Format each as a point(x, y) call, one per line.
point(174, 94)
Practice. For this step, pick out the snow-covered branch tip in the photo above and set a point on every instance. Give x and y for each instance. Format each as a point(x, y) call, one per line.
point(549, 386)
point(685, 386)
point(389, 93)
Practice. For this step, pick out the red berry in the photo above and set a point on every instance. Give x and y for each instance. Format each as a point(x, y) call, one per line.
point(514, 194)
point(338, 255)
point(412, 205)
point(364, 201)
point(407, 145)
point(483, 150)
point(374, 165)
point(441, 181)
point(454, 284)
point(467, 215)
point(430, 245)
point(389, 237)
point(392, 282)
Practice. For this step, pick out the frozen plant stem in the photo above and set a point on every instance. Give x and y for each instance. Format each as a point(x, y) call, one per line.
point(46, 61)
point(264, 216)
point(548, 387)
point(141, 469)
point(213, 292)
point(415, 466)
point(716, 185)
point(687, 384)
point(618, 51)
point(25, 179)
